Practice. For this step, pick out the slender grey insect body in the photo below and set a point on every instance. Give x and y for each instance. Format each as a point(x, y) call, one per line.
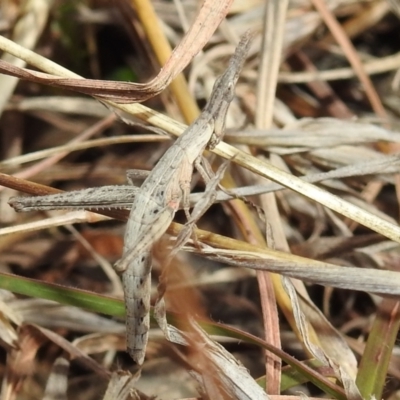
point(155, 203)
point(160, 195)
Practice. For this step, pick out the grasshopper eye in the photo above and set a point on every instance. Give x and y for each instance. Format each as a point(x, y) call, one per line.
point(230, 92)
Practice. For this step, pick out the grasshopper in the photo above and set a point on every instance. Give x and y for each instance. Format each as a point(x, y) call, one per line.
point(159, 197)
point(154, 204)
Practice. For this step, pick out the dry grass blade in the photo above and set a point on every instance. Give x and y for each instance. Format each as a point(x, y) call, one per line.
point(74, 146)
point(208, 19)
point(270, 286)
point(57, 384)
point(35, 17)
point(352, 56)
point(219, 373)
point(334, 346)
point(122, 387)
point(323, 197)
point(371, 67)
point(73, 217)
point(314, 133)
point(383, 282)
point(52, 315)
point(73, 352)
